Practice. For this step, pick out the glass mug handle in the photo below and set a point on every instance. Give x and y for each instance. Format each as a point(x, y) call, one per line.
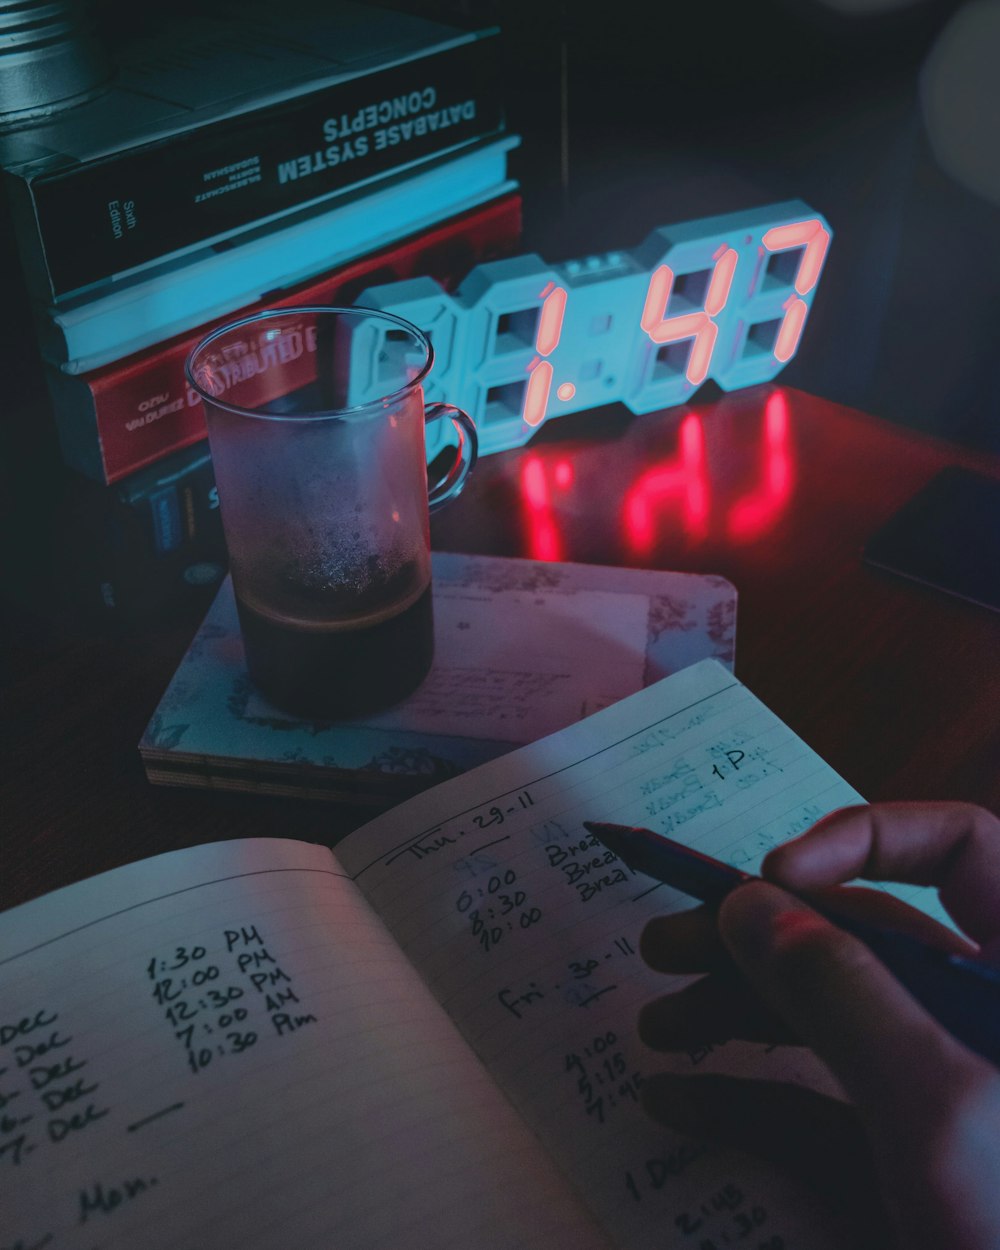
point(465, 457)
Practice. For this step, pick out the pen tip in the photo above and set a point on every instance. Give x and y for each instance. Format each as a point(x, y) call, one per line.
point(610, 835)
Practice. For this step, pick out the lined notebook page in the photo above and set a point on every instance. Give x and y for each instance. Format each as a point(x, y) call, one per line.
point(223, 1047)
point(527, 931)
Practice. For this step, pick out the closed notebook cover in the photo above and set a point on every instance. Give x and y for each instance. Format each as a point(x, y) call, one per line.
point(576, 638)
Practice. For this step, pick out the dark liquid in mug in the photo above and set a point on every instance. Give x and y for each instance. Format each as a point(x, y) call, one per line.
point(341, 672)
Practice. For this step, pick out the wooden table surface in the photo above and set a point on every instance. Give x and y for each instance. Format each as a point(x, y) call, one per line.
point(896, 685)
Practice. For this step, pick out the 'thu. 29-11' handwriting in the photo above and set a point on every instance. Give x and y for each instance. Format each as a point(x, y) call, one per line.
point(434, 841)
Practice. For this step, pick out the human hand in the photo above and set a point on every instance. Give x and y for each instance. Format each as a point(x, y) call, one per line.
point(919, 1146)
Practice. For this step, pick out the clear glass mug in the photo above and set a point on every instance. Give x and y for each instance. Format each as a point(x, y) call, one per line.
point(316, 426)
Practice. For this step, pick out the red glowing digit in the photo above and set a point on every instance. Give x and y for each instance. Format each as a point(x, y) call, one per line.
point(544, 539)
point(682, 480)
point(699, 326)
point(536, 396)
point(761, 509)
point(791, 329)
point(814, 240)
point(550, 323)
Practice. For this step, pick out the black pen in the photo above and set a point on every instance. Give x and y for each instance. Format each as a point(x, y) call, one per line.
point(960, 991)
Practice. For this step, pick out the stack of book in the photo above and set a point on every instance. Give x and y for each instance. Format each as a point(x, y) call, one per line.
point(242, 159)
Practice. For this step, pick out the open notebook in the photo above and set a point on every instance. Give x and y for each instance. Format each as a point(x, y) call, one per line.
point(425, 1039)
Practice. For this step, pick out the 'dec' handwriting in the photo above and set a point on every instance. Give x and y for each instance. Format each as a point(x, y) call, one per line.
point(653, 1174)
point(44, 1090)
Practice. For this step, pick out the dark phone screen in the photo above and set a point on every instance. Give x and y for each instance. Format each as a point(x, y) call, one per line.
point(947, 537)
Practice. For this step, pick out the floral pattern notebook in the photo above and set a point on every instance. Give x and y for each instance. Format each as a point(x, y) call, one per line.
point(522, 649)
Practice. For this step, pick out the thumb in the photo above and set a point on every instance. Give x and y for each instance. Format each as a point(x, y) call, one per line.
point(843, 1002)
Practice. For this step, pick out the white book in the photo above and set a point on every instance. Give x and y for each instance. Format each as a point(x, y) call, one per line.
point(575, 638)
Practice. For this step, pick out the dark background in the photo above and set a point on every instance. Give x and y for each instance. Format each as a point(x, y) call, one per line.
point(647, 114)
point(632, 117)
point(637, 115)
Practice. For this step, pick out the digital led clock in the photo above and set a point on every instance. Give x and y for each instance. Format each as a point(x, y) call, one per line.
point(522, 341)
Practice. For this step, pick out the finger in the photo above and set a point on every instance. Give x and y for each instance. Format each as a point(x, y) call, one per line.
point(844, 1003)
point(817, 1139)
point(765, 1118)
point(713, 1010)
point(886, 911)
point(720, 1007)
point(954, 846)
point(686, 941)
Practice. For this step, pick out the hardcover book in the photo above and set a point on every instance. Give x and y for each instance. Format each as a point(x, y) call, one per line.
point(89, 332)
point(153, 540)
point(573, 638)
point(425, 1037)
point(218, 122)
point(118, 419)
point(120, 555)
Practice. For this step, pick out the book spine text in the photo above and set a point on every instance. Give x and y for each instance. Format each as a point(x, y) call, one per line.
point(111, 216)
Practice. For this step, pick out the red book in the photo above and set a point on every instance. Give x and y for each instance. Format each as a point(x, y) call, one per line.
point(115, 420)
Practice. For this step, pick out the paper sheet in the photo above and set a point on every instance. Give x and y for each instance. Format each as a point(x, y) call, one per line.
point(224, 1048)
point(527, 930)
